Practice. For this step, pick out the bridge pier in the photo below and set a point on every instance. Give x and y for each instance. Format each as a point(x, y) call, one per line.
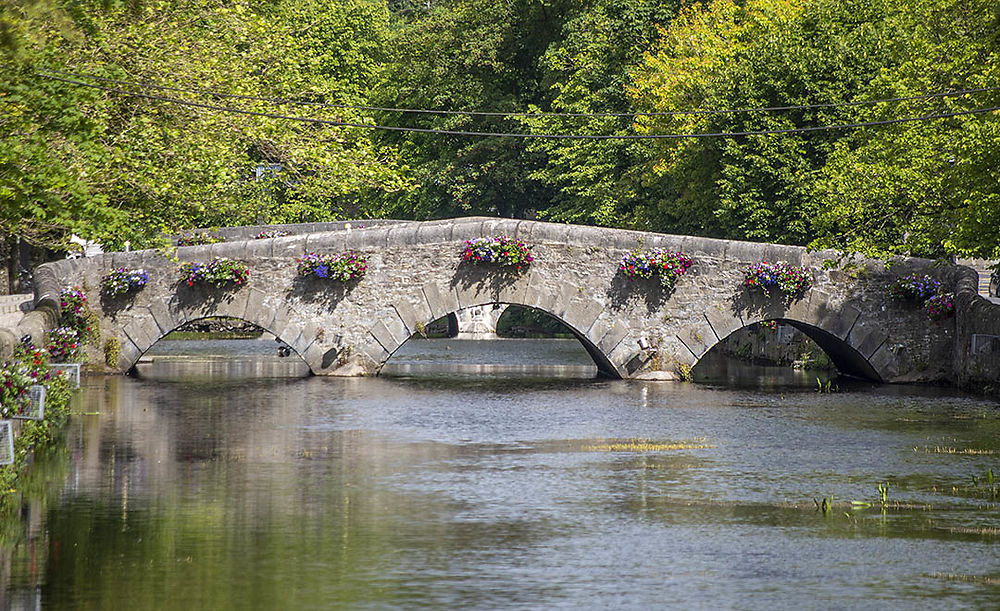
point(479, 322)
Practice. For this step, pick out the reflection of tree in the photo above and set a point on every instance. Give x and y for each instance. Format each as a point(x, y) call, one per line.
point(23, 538)
point(210, 496)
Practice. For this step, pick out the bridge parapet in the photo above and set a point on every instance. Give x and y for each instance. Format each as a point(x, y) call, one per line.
point(629, 328)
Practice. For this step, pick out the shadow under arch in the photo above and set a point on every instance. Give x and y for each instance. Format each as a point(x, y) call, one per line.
point(847, 360)
point(605, 368)
point(145, 342)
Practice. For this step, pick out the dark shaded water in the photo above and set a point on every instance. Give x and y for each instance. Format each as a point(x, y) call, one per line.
point(498, 492)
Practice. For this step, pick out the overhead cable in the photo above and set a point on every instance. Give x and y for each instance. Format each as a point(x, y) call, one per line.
point(396, 128)
point(481, 113)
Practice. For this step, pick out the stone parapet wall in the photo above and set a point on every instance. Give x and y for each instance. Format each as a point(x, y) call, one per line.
point(977, 345)
point(13, 308)
point(250, 232)
point(415, 276)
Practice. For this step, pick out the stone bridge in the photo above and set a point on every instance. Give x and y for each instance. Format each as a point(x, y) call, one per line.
point(630, 328)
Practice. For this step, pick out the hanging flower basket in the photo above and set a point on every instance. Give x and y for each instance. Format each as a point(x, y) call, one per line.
point(270, 233)
point(500, 251)
point(915, 288)
point(221, 272)
point(343, 267)
point(940, 307)
point(72, 301)
point(788, 280)
point(24, 369)
point(64, 344)
point(123, 281)
point(665, 264)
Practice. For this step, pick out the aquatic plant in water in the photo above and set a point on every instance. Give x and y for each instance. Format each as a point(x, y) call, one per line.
point(501, 251)
point(122, 281)
point(220, 272)
point(665, 264)
point(788, 280)
point(342, 267)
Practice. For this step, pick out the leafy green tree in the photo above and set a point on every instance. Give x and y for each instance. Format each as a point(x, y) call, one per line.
point(588, 71)
point(760, 53)
point(924, 188)
point(129, 168)
point(469, 55)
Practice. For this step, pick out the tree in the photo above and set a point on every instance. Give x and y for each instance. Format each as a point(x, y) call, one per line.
point(142, 167)
point(469, 55)
point(923, 188)
point(761, 53)
point(588, 69)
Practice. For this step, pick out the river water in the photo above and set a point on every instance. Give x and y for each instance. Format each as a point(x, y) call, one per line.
point(462, 487)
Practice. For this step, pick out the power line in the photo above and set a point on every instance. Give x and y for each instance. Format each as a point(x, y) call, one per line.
point(480, 113)
point(395, 128)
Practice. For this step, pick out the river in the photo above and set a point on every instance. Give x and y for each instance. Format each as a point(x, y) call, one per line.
point(523, 486)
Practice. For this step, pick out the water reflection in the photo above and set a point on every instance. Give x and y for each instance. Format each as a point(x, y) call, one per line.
point(541, 358)
point(492, 492)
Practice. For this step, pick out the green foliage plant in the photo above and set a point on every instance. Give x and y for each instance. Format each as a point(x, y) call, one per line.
point(199, 239)
point(112, 352)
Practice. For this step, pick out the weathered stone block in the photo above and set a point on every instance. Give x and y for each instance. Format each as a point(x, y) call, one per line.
point(867, 339)
point(722, 321)
point(613, 337)
point(162, 316)
point(414, 312)
point(384, 337)
point(441, 300)
point(582, 315)
point(128, 353)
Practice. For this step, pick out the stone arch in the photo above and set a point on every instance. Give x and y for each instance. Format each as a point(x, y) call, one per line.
point(416, 310)
point(856, 346)
point(159, 319)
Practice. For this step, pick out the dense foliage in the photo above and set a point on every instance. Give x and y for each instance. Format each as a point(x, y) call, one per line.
point(111, 166)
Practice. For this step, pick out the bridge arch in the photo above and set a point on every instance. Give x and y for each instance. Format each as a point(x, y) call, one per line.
point(162, 318)
point(855, 343)
point(386, 342)
point(845, 357)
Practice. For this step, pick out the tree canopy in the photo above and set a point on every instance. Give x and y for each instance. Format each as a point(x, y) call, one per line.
point(110, 165)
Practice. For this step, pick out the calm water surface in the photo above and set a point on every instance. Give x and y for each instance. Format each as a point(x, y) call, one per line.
point(455, 490)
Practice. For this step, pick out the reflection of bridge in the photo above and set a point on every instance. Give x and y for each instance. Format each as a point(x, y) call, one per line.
point(629, 328)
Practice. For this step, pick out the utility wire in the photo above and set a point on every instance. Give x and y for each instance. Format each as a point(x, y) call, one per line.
point(478, 113)
point(523, 135)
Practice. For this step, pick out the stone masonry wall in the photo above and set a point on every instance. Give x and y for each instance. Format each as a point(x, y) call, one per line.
point(415, 277)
